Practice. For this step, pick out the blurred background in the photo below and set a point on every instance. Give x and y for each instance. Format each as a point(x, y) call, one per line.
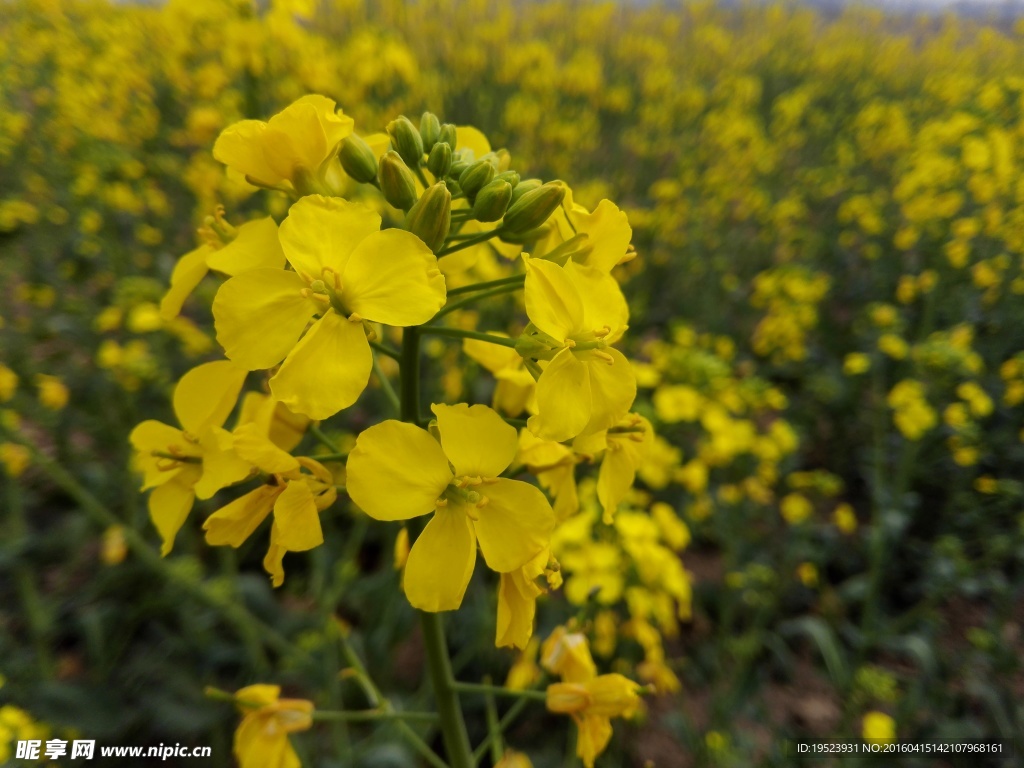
point(827, 318)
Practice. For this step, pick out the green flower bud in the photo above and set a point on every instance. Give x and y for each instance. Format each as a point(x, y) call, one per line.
point(440, 160)
point(406, 141)
point(453, 187)
point(492, 201)
point(430, 129)
point(431, 217)
point(476, 177)
point(357, 159)
point(527, 185)
point(510, 176)
point(532, 209)
point(458, 166)
point(524, 238)
point(396, 181)
point(449, 135)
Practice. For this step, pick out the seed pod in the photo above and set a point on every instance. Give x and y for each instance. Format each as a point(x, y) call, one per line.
point(396, 181)
point(449, 136)
point(524, 186)
point(431, 217)
point(357, 159)
point(440, 160)
point(492, 201)
point(406, 141)
point(533, 208)
point(430, 129)
point(476, 177)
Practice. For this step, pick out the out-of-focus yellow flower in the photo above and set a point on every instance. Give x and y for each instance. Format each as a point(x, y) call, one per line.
point(261, 740)
point(878, 726)
point(525, 671)
point(15, 458)
point(52, 392)
point(8, 383)
point(808, 574)
point(293, 148)
point(845, 518)
point(894, 346)
point(513, 759)
point(592, 704)
point(912, 414)
point(398, 471)
point(113, 549)
point(856, 363)
point(795, 508)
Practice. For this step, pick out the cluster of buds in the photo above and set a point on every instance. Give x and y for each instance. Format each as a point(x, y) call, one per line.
point(425, 172)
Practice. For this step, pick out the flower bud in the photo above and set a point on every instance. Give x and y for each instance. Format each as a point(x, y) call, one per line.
point(527, 185)
point(430, 129)
point(523, 238)
point(357, 159)
point(453, 187)
point(458, 166)
point(492, 201)
point(533, 208)
point(431, 217)
point(440, 160)
point(406, 141)
point(510, 176)
point(449, 135)
point(476, 177)
point(396, 181)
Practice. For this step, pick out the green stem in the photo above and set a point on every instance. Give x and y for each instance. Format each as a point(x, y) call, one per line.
point(459, 333)
point(503, 724)
point(316, 432)
point(371, 715)
point(493, 729)
point(497, 690)
point(385, 385)
point(477, 297)
point(453, 727)
point(439, 665)
point(513, 280)
point(385, 349)
point(330, 457)
point(483, 237)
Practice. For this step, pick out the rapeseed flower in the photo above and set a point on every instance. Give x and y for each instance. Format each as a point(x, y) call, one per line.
point(347, 271)
point(398, 471)
point(261, 740)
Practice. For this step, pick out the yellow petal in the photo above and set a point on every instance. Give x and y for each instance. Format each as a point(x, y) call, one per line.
point(321, 232)
point(206, 395)
point(514, 526)
point(594, 734)
point(232, 524)
point(256, 246)
point(152, 435)
point(564, 402)
point(614, 481)
point(260, 314)
point(441, 562)
point(473, 139)
point(392, 278)
point(335, 124)
point(296, 518)
point(493, 357)
point(252, 444)
point(221, 465)
point(609, 234)
point(240, 147)
point(188, 273)
point(273, 561)
point(396, 471)
point(169, 505)
point(259, 694)
point(553, 302)
point(517, 603)
point(327, 370)
point(259, 744)
point(476, 440)
point(604, 306)
point(295, 138)
point(612, 389)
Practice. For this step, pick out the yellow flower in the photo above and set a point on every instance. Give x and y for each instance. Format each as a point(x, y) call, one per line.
point(255, 246)
point(911, 412)
point(592, 704)
point(856, 363)
point(515, 386)
point(293, 148)
point(601, 239)
point(567, 655)
point(398, 471)
point(8, 383)
point(845, 518)
point(513, 759)
point(15, 458)
point(587, 386)
point(894, 346)
point(517, 602)
point(261, 740)
point(114, 549)
point(624, 452)
point(878, 726)
point(554, 466)
point(296, 499)
point(678, 403)
point(196, 460)
point(346, 271)
point(795, 508)
point(52, 392)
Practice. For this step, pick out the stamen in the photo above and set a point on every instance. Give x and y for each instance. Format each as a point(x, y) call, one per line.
point(441, 503)
point(570, 343)
point(603, 331)
point(355, 317)
point(604, 356)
